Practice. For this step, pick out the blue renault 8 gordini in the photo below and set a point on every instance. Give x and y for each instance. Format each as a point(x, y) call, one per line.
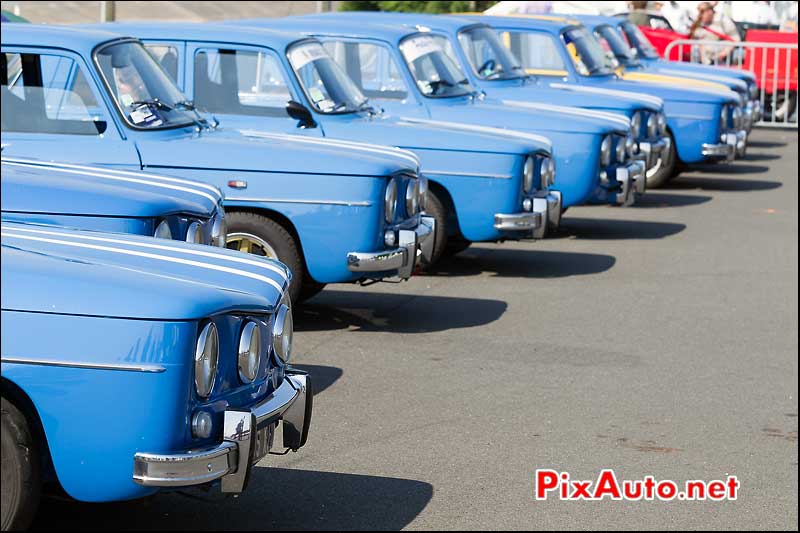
point(491, 68)
point(132, 365)
point(331, 211)
point(608, 31)
point(485, 184)
point(100, 199)
point(705, 122)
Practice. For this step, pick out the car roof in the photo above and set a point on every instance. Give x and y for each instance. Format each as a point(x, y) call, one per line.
point(55, 35)
point(547, 22)
point(599, 20)
point(197, 31)
point(335, 26)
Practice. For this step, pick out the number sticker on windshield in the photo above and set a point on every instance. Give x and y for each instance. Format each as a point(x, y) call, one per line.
point(415, 48)
point(300, 57)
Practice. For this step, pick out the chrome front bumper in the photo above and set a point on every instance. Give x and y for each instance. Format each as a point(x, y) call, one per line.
point(232, 460)
point(540, 212)
point(415, 247)
point(651, 153)
point(664, 158)
point(731, 145)
point(631, 179)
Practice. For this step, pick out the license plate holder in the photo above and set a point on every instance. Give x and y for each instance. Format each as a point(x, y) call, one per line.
point(262, 443)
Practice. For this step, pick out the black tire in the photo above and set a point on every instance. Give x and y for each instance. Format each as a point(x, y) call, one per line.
point(666, 172)
point(309, 289)
point(21, 486)
point(455, 246)
point(435, 208)
point(276, 236)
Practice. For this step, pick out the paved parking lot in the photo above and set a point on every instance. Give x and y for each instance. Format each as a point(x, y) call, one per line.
point(657, 340)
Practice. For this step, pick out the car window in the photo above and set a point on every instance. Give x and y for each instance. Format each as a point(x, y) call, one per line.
point(372, 67)
point(536, 51)
point(167, 57)
point(240, 82)
point(47, 93)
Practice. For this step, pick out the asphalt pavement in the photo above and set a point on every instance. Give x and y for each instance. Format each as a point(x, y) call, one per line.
point(656, 340)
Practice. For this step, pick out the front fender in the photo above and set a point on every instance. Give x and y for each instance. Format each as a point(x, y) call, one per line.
point(693, 125)
point(577, 166)
point(96, 419)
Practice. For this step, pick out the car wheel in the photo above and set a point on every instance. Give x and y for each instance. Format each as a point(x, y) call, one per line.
point(435, 208)
point(259, 235)
point(665, 172)
point(455, 246)
point(310, 289)
point(21, 485)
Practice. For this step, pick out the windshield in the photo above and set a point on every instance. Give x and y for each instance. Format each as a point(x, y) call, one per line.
point(143, 92)
point(326, 85)
point(489, 58)
point(639, 41)
point(432, 63)
point(614, 44)
point(587, 54)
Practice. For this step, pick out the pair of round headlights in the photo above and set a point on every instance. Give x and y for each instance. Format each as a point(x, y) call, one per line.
point(194, 232)
point(547, 173)
point(414, 198)
point(206, 356)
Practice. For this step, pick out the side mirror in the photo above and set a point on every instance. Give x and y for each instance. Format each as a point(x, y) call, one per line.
point(301, 113)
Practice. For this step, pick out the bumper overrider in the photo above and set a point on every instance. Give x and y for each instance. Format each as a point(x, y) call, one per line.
point(539, 212)
point(246, 439)
point(631, 179)
point(415, 247)
point(732, 144)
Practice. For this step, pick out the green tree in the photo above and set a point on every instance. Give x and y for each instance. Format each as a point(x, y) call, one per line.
point(434, 6)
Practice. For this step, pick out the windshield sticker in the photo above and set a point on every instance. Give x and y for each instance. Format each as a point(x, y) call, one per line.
point(126, 99)
point(304, 55)
point(326, 105)
point(415, 48)
point(142, 116)
point(316, 94)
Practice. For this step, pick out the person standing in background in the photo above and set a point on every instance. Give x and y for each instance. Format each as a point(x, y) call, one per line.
point(705, 28)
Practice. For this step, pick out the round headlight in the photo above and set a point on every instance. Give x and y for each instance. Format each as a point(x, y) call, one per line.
point(423, 193)
point(219, 229)
point(551, 172)
point(194, 233)
point(636, 123)
point(249, 351)
point(723, 118)
point(528, 171)
point(737, 117)
point(662, 124)
point(753, 91)
point(630, 146)
point(163, 231)
point(390, 200)
point(620, 152)
point(206, 355)
point(412, 198)
point(652, 125)
point(605, 151)
point(282, 331)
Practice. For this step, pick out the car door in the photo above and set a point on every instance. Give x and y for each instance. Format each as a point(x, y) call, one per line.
point(52, 109)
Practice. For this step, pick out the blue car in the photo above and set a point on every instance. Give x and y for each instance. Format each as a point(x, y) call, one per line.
point(333, 212)
point(486, 184)
point(95, 198)
point(132, 365)
point(705, 123)
point(645, 53)
point(615, 41)
point(495, 74)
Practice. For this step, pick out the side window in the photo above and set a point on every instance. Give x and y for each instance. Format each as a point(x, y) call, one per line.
point(537, 51)
point(167, 57)
point(47, 94)
point(240, 82)
point(372, 67)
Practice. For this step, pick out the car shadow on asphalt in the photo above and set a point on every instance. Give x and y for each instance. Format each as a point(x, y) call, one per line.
point(275, 499)
point(765, 144)
point(612, 229)
point(661, 199)
point(516, 263)
point(689, 182)
point(394, 313)
point(322, 376)
point(728, 169)
point(761, 157)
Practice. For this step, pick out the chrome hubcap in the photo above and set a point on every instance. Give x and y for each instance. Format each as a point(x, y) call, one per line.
point(250, 244)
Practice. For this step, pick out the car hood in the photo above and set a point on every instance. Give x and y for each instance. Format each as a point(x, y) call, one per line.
point(624, 101)
point(697, 95)
point(262, 151)
point(61, 271)
point(543, 117)
point(31, 186)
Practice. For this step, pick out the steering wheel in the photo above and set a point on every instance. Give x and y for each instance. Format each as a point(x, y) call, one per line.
point(488, 66)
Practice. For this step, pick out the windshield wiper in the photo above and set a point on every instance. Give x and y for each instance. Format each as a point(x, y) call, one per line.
point(185, 104)
point(155, 102)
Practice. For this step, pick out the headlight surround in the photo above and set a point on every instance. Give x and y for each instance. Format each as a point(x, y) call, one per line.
point(605, 151)
point(630, 146)
point(206, 357)
point(528, 173)
point(662, 124)
point(390, 200)
point(620, 152)
point(219, 229)
point(163, 231)
point(412, 198)
point(723, 118)
point(737, 117)
point(636, 123)
point(282, 333)
point(547, 171)
point(423, 193)
point(249, 351)
point(652, 125)
point(194, 233)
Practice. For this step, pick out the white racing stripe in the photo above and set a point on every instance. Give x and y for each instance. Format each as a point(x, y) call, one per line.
point(8, 234)
point(326, 141)
point(245, 260)
point(111, 173)
point(480, 129)
point(630, 95)
point(621, 120)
